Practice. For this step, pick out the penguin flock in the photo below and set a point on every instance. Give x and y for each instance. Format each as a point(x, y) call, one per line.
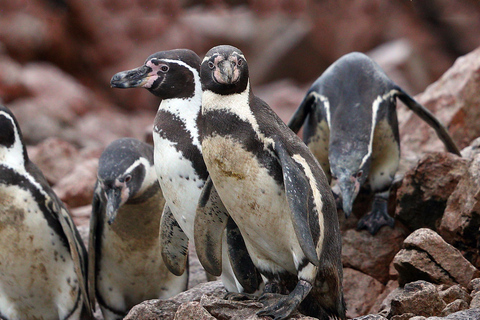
point(224, 173)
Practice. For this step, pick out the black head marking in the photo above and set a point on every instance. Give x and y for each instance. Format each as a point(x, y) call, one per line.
point(224, 70)
point(166, 74)
point(116, 164)
point(10, 131)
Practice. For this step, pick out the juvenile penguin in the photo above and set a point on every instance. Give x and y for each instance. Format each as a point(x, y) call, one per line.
point(125, 262)
point(351, 127)
point(43, 262)
point(174, 77)
point(274, 190)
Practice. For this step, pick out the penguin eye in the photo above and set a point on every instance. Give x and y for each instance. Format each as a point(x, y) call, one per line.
point(128, 178)
point(164, 68)
point(211, 65)
point(240, 62)
point(359, 174)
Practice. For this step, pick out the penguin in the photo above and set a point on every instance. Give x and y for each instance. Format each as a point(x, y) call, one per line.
point(125, 262)
point(174, 77)
point(351, 127)
point(274, 190)
point(43, 261)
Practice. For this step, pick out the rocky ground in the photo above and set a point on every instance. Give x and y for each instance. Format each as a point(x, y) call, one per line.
point(57, 57)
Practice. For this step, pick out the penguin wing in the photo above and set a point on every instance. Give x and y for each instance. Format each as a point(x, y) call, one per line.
point(243, 268)
point(92, 244)
point(298, 118)
point(174, 243)
point(77, 248)
point(298, 191)
point(431, 120)
point(210, 221)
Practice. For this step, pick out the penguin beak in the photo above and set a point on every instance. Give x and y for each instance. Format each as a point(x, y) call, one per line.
point(349, 188)
point(226, 72)
point(137, 77)
point(114, 200)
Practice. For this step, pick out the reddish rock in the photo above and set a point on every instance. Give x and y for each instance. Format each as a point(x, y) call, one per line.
point(425, 189)
point(455, 292)
point(55, 157)
point(454, 306)
point(428, 257)
point(76, 189)
point(418, 298)
point(382, 303)
point(461, 220)
point(369, 254)
point(360, 291)
point(11, 85)
point(192, 310)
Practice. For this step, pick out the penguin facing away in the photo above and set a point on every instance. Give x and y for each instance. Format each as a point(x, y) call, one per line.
point(174, 77)
point(351, 127)
point(125, 262)
point(274, 190)
point(43, 265)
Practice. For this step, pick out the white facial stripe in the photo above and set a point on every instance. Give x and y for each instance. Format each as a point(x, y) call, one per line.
point(206, 58)
point(375, 106)
point(13, 157)
point(188, 114)
point(238, 104)
point(317, 196)
point(326, 104)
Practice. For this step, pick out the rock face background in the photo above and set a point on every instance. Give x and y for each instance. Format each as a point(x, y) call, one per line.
point(57, 58)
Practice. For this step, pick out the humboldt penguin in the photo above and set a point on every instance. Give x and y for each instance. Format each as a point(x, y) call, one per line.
point(43, 261)
point(125, 262)
point(351, 127)
point(174, 77)
point(274, 190)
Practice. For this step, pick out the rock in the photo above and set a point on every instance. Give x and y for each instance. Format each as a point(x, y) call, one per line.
point(405, 316)
point(425, 189)
point(205, 301)
point(455, 292)
point(360, 292)
point(442, 254)
point(475, 294)
point(369, 254)
point(454, 306)
point(382, 303)
point(55, 158)
point(192, 310)
point(11, 85)
point(371, 317)
point(81, 215)
point(461, 221)
point(419, 298)
point(471, 314)
point(454, 100)
point(76, 189)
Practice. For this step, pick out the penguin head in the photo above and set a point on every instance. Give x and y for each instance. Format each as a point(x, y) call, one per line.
point(224, 70)
point(12, 149)
point(166, 74)
point(350, 170)
point(125, 171)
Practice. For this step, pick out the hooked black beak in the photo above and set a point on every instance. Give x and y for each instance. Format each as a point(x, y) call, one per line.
point(227, 72)
point(349, 188)
point(114, 199)
point(131, 78)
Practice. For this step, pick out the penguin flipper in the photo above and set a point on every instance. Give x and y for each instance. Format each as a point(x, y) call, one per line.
point(298, 118)
point(298, 192)
point(174, 243)
point(92, 245)
point(243, 268)
point(431, 120)
point(210, 221)
point(77, 249)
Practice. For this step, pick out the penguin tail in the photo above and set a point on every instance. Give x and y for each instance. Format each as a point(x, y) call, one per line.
point(430, 119)
point(298, 118)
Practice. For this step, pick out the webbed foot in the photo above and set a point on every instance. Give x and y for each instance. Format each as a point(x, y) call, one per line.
point(378, 217)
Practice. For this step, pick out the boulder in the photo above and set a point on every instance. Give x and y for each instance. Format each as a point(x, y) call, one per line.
point(425, 189)
point(418, 298)
point(360, 292)
point(428, 257)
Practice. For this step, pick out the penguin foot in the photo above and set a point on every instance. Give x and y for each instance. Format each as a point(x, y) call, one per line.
point(277, 306)
point(376, 219)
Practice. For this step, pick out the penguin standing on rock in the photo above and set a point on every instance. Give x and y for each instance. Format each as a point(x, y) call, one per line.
point(351, 127)
point(43, 262)
point(274, 190)
point(174, 77)
point(125, 262)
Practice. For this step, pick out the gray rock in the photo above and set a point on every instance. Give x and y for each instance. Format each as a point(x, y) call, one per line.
point(419, 298)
